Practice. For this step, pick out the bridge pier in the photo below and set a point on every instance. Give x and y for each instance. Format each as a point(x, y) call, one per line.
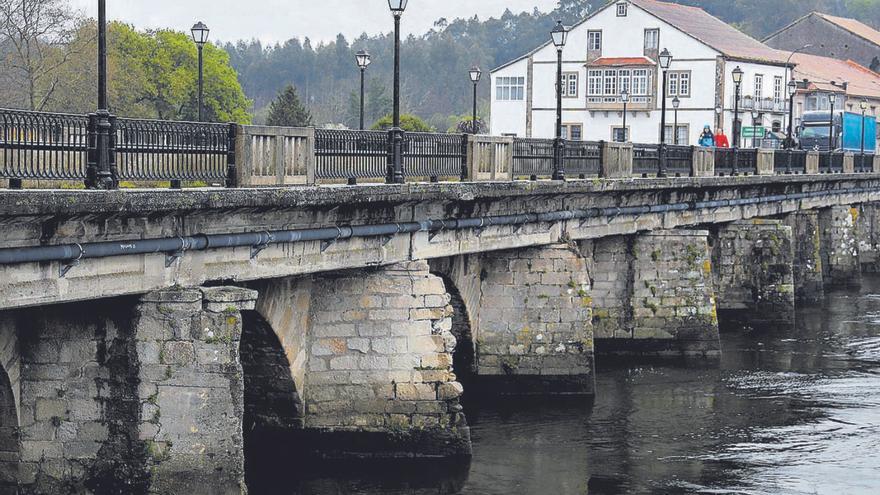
point(809, 286)
point(868, 230)
point(9, 406)
point(841, 266)
point(754, 272)
point(653, 294)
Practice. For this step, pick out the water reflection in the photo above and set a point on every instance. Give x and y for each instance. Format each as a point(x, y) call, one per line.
point(785, 412)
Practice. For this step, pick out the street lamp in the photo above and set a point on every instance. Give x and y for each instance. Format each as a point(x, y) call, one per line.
point(864, 106)
point(363, 60)
point(395, 134)
point(792, 91)
point(200, 36)
point(475, 73)
point(624, 97)
point(665, 62)
point(832, 99)
point(99, 173)
point(737, 80)
point(675, 104)
point(559, 35)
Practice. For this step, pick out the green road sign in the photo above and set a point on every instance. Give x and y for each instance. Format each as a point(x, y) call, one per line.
point(754, 132)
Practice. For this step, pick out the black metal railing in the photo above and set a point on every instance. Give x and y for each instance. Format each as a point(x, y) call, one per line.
point(153, 150)
point(830, 163)
point(646, 159)
point(583, 158)
point(350, 155)
point(679, 160)
point(797, 164)
point(532, 157)
point(37, 145)
point(434, 155)
point(863, 163)
point(747, 161)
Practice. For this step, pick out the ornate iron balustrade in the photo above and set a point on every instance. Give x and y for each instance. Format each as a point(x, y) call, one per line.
point(646, 159)
point(864, 162)
point(38, 145)
point(350, 155)
point(798, 161)
point(532, 157)
point(680, 160)
point(746, 160)
point(583, 158)
point(153, 150)
point(434, 155)
point(830, 163)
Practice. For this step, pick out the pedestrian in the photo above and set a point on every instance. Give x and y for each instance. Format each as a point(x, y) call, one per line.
point(707, 139)
point(721, 140)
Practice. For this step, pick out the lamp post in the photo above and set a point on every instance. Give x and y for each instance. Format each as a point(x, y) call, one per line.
point(792, 91)
point(395, 134)
point(737, 80)
point(624, 97)
point(832, 98)
point(363, 60)
point(99, 174)
point(200, 36)
point(475, 73)
point(756, 122)
point(559, 35)
point(665, 62)
point(864, 106)
point(675, 104)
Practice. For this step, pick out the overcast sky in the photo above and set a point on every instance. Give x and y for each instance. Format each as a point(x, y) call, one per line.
point(279, 20)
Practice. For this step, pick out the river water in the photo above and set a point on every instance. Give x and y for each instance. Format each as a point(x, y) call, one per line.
point(784, 412)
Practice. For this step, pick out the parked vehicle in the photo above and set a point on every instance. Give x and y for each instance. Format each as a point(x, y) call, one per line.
point(815, 132)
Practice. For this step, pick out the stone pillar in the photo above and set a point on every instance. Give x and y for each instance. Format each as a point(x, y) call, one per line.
point(806, 239)
point(191, 393)
point(839, 246)
point(704, 162)
point(754, 271)
point(868, 231)
point(812, 165)
point(380, 380)
point(535, 333)
point(9, 393)
point(653, 295)
point(765, 163)
point(617, 160)
point(849, 163)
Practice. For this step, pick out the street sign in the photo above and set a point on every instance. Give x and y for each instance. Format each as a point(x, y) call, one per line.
point(754, 132)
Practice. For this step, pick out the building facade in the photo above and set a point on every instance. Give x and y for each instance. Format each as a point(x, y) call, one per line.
point(830, 36)
point(616, 49)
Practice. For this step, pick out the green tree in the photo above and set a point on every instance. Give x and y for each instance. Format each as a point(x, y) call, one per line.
point(288, 111)
point(408, 122)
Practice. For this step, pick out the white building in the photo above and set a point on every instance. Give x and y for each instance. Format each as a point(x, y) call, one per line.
point(616, 49)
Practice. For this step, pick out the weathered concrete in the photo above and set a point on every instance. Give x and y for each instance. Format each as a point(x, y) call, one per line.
point(754, 271)
point(653, 294)
point(809, 286)
point(840, 246)
point(535, 322)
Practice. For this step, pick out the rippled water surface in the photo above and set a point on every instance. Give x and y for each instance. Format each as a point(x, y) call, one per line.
point(785, 412)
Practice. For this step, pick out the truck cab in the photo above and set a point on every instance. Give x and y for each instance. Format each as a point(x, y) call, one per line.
point(846, 131)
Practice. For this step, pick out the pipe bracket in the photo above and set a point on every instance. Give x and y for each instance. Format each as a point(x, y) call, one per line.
point(68, 265)
point(256, 249)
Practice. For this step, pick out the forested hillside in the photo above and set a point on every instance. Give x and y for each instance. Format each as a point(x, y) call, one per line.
point(435, 82)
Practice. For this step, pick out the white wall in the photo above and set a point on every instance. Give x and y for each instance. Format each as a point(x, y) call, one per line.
point(509, 117)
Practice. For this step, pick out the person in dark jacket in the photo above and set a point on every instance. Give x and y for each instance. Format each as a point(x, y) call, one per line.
point(707, 139)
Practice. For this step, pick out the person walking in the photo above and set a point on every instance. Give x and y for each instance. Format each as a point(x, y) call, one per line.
point(707, 139)
point(721, 140)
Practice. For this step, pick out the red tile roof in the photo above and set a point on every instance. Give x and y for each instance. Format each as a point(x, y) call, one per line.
point(621, 61)
point(711, 31)
point(820, 71)
point(853, 26)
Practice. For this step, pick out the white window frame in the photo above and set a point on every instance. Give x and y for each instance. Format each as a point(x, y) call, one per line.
point(679, 83)
point(510, 88)
point(570, 82)
point(609, 85)
point(622, 9)
point(594, 40)
point(778, 89)
point(566, 131)
point(640, 82)
point(624, 77)
point(595, 82)
point(759, 87)
point(654, 39)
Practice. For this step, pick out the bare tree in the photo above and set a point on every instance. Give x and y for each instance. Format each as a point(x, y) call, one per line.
point(35, 37)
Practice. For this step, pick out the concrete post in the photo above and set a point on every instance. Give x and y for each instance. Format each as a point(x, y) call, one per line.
point(808, 280)
point(704, 162)
point(534, 327)
point(754, 272)
point(876, 168)
point(849, 163)
point(812, 166)
point(617, 161)
point(766, 162)
point(653, 295)
point(839, 246)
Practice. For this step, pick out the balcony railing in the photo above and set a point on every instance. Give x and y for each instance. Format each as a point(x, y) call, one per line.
point(748, 103)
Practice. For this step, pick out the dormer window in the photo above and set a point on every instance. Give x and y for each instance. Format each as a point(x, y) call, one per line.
point(621, 9)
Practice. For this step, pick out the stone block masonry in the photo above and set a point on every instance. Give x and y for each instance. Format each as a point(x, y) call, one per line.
point(653, 294)
point(380, 379)
point(806, 239)
point(840, 246)
point(868, 231)
point(534, 332)
point(754, 271)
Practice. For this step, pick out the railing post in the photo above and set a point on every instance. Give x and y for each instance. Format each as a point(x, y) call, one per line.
point(231, 169)
point(111, 153)
point(464, 156)
point(789, 161)
point(559, 159)
point(602, 155)
point(91, 181)
point(15, 184)
point(693, 150)
point(395, 174)
point(661, 161)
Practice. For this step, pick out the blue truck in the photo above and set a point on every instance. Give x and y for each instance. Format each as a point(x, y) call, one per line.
point(814, 133)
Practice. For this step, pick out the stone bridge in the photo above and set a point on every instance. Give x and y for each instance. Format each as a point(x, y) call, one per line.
point(149, 339)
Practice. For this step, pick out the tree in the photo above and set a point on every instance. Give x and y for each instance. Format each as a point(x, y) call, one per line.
point(408, 122)
point(288, 111)
point(465, 125)
point(35, 36)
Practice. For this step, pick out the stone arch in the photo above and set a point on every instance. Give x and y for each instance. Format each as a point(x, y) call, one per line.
point(273, 408)
point(461, 276)
point(9, 405)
